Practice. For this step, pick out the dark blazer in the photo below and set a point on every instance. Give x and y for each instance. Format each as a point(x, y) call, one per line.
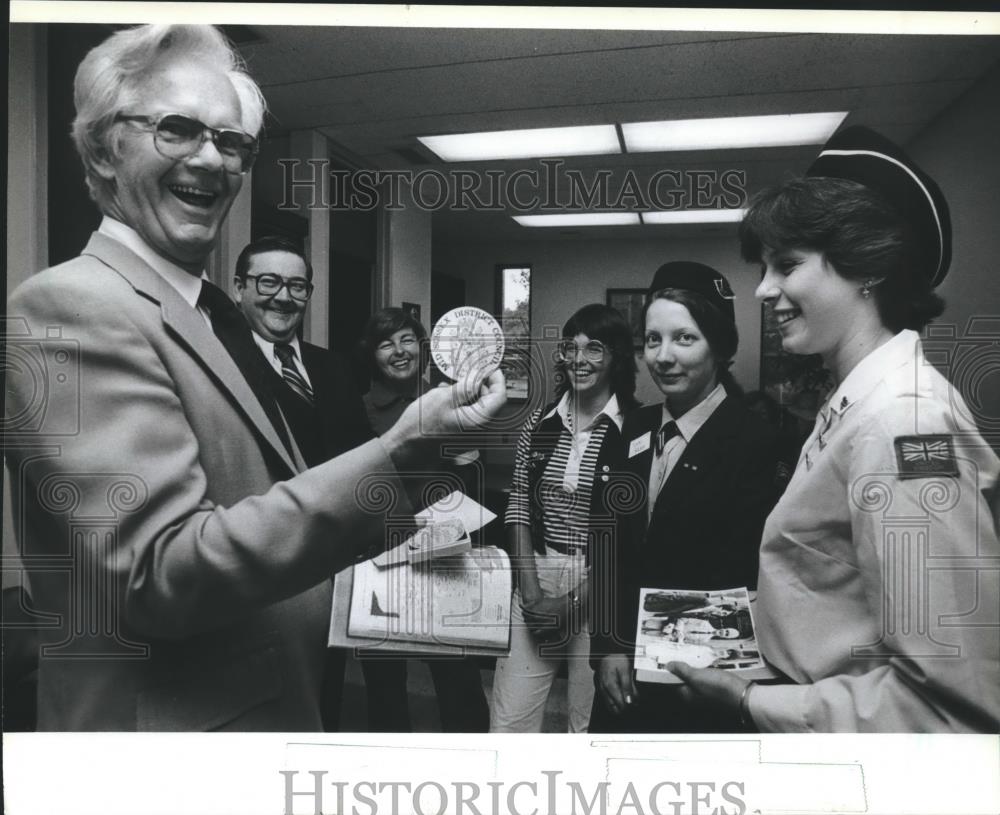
point(706, 526)
point(186, 553)
point(336, 422)
point(606, 493)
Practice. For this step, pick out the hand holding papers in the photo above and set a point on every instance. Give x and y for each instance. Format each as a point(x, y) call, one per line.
point(448, 523)
point(413, 598)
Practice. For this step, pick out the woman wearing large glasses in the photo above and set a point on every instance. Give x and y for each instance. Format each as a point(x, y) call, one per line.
point(710, 473)
point(565, 459)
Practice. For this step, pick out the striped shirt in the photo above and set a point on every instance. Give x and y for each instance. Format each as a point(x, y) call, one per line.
point(565, 488)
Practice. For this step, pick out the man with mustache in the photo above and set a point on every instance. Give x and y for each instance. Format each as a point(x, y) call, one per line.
point(314, 387)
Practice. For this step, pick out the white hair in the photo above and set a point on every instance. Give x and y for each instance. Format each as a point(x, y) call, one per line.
point(109, 78)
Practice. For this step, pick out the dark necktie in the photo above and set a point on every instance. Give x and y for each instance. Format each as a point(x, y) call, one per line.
point(665, 434)
point(233, 332)
point(286, 355)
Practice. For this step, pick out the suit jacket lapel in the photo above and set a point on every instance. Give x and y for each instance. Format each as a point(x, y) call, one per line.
point(644, 422)
point(191, 330)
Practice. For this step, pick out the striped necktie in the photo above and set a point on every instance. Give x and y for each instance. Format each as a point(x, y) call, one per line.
point(233, 332)
point(666, 433)
point(291, 375)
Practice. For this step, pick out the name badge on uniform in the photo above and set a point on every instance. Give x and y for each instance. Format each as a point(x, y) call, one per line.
point(640, 444)
point(925, 456)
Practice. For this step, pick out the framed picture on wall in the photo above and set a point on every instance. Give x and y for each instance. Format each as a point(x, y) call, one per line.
point(629, 303)
point(412, 309)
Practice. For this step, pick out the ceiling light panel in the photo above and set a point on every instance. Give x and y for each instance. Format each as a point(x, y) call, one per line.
point(545, 142)
point(694, 216)
point(731, 132)
point(580, 219)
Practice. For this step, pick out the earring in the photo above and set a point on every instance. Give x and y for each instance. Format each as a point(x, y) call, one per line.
point(866, 288)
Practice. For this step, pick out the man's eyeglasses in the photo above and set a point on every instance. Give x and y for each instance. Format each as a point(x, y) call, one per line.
point(268, 285)
point(178, 136)
point(593, 351)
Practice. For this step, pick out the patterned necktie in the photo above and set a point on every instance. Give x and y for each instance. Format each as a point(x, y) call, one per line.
point(666, 433)
point(233, 332)
point(286, 355)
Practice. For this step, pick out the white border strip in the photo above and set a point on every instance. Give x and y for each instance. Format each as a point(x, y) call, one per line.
point(624, 19)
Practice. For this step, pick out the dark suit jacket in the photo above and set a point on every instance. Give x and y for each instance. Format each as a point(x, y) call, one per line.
point(336, 422)
point(186, 553)
point(706, 526)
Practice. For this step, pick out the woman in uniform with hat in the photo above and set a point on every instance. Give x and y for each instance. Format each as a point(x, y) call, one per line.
point(877, 598)
point(706, 473)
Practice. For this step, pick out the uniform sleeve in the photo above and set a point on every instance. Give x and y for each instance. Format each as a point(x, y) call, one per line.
point(926, 547)
point(518, 507)
point(176, 563)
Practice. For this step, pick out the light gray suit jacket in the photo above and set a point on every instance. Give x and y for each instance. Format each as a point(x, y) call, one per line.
point(182, 557)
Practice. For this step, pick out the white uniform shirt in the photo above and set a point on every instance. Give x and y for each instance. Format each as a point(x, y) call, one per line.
point(878, 586)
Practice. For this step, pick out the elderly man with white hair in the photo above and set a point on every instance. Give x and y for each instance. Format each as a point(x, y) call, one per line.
point(165, 516)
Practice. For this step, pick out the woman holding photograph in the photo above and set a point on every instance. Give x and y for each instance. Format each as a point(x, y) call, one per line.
point(711, 474)
point(564, 458)
point(894, 479)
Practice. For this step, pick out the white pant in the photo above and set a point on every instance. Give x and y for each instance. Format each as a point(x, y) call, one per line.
point(522, 681)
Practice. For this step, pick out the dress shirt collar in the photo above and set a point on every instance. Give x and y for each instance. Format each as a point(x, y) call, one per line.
point(382, 396)
point(268, 347)
point(902, 348)
point(187, 285)
point(691, 422)
point(611, 410)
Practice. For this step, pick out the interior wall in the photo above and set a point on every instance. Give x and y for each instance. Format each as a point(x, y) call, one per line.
point(568, 274)
point(27, 238)
point(405, 259)
point(27, 153)
point(959, 150)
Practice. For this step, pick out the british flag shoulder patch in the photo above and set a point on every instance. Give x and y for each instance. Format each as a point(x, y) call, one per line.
point(925, 456)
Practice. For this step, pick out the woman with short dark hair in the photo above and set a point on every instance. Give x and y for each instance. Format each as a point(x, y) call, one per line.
point(894, 478)
point(394, 346)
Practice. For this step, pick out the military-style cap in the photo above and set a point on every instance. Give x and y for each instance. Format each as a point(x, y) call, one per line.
point(862, 155)
point(699, 278)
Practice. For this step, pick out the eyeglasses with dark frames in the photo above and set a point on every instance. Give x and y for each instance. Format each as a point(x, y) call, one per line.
point(177, 136)
point(268, 285)
point(593, 351)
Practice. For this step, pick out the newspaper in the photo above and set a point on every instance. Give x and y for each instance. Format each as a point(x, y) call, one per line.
point(460, 600)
